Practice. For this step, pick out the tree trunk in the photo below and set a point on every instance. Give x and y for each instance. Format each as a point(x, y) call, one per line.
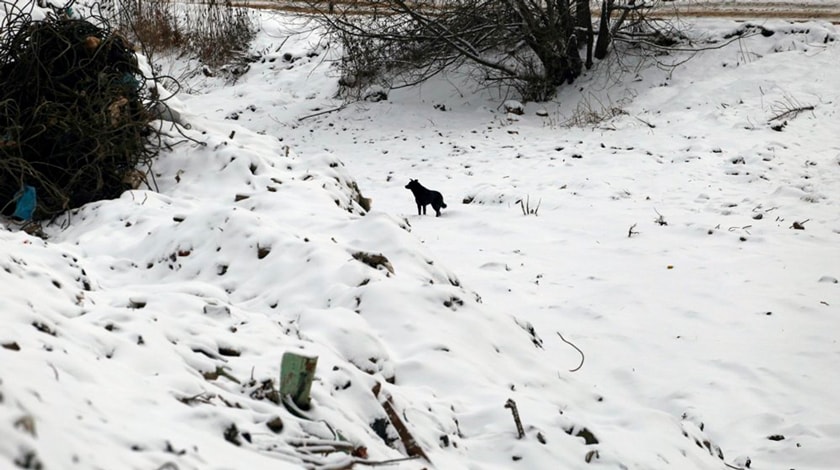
point(603, 43)
point(583, 17)
point(583, 28)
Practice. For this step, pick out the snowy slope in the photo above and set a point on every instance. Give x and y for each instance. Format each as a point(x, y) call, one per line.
point(147, 331)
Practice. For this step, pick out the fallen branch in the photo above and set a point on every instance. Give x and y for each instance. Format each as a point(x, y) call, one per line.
point(519, 429)
point(202, 397)
point(411, 447)
point(319, 113)
point(322, 446)
point(792, 113)
point(652, 126)
point(370, 463)
point(220, 372)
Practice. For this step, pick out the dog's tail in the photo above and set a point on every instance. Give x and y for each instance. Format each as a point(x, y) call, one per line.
point(442, 205)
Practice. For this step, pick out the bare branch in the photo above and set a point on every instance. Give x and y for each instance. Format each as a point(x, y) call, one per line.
point(326, 111)
point(533, 46)
point(792, 112)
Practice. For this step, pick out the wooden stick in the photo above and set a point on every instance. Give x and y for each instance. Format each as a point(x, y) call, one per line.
point(411, 447)
point(326, 111)
point(512, 405)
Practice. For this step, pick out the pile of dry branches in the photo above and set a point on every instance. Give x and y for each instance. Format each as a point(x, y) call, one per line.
point(76, 111)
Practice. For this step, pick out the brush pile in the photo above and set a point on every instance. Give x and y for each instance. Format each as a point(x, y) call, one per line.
point(75, 119)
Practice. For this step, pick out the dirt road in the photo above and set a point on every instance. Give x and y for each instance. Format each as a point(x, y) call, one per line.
point(826, 10)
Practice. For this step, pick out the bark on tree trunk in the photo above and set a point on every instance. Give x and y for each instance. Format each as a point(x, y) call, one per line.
point(603, 43)
point(583, 28)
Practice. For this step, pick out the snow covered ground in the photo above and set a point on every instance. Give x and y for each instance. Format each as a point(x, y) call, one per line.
point(685, 246)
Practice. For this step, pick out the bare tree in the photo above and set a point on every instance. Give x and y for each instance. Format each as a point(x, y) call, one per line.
point(532, 45)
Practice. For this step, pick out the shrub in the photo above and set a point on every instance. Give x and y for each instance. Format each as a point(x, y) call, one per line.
point(212, 31)
point(76, 119)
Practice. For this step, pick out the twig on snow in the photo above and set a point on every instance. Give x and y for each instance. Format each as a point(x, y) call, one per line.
point(799, 225)
point(652, 126)
point(582, 356)
point(55, 371)
point(376, 463)
point(792, 112)
point(736, 467)
point(350, 463)
point(661, 219)
point(326, 111)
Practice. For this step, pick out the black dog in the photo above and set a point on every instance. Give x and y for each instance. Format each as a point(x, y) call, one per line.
point(423, 197)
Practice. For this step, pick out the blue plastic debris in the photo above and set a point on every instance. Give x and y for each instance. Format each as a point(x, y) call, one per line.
point(130, 80)
point(26, 202)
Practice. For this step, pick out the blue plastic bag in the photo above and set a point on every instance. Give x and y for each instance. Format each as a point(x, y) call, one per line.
point(26, 202)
